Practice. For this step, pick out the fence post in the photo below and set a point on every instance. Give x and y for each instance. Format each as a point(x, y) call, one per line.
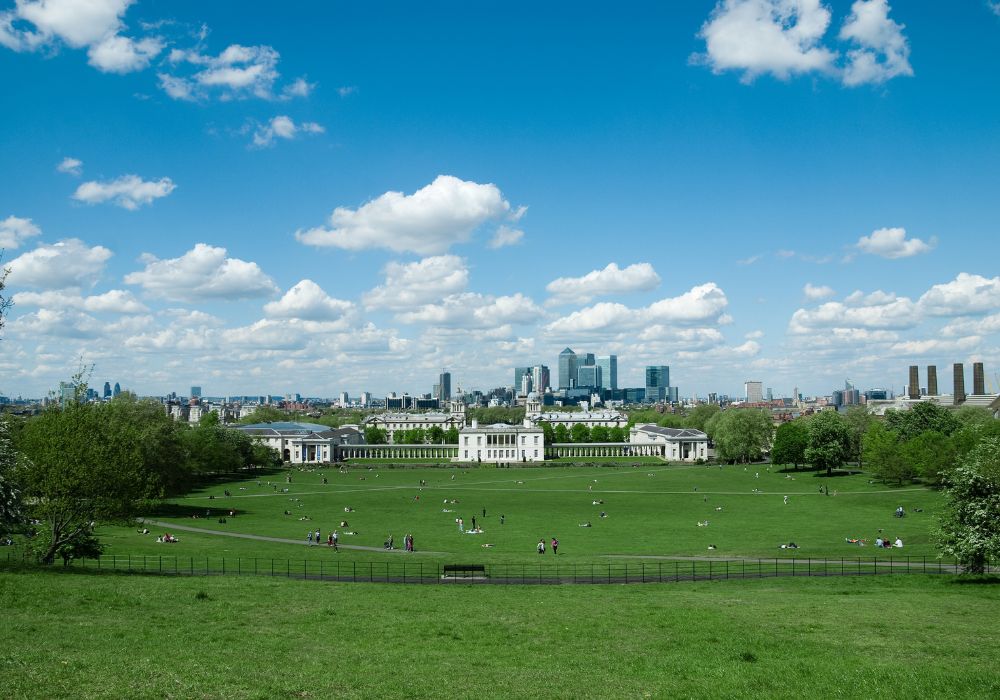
point(239, 566)
point(809, 566)
point(660, 569)
point(709, 569)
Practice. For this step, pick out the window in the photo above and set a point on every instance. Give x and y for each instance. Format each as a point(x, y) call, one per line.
point(536, 442)
point(466, 454)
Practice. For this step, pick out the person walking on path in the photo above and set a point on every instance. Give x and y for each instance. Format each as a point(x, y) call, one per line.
point(555, 546)
point(335, 536)
point(309, 537)
point(541, 546)
point(318, 535)
point(501, 518)
point(786, 500)
point(473, 522)
point(484, 511)
point(461, 525)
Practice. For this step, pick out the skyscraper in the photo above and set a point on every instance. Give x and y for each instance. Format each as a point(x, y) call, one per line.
point(589, 376)
point(754, 391)
point(657, 382)
point(609, 371)
point(587, 359)
point(519, 373)
point(118, 389)
point(107, 390)
point(540, 380)
point(567, 369)
point(444, 387)
point(196, 392)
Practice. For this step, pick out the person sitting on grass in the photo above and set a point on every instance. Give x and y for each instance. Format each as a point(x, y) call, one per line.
point(898, 543)
point(586, 524)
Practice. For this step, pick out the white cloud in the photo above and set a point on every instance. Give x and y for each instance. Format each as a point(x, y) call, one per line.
point(430, 220)
point(204, 272)
point(176, 87)
point(62, 265)
point(966, 294)
point(346, 90)
point(896, 314)
point(71, 166)
point(282, 127)
point(15, 230)
point(702, 304)
point(780, 37)
point(814, 292)
point(471, 310)
point(876, 298)
point(750, 348)
point(307, 300)
point(299, 87)
point(408, 285)
point(238, 71)
point(119, 54)
point(994, 6)
point(892, 243)
point(114, 301)
point(878, 37)
point(754, 335)
point(505, 236)
point(750, 260)
point(128, 191)
point(91, 24)
point(597, 283)
point(986, 325)
point(59, 323)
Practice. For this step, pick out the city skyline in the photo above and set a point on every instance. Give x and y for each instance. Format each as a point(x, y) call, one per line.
point(791, 192)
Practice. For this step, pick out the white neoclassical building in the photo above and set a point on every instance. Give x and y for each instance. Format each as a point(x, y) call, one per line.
point(392, 422)
point(302, 443)
point(501, 443)
point(672, 444)
point(608, 418)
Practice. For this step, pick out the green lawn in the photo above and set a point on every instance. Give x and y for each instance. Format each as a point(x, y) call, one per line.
point(653, 511)
point(72, 635)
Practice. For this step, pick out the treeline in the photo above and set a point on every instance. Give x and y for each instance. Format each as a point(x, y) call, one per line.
point(83, 464)
point(435, 435)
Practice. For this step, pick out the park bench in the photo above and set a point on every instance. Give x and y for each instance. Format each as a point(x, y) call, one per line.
point(462, 571)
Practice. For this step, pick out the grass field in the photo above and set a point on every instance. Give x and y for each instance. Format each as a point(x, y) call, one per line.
point(71, 635)
point(652, 511)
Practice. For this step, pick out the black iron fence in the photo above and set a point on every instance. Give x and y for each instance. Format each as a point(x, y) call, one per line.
point(335, 569)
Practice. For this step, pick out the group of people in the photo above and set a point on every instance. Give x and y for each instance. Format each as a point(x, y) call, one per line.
point(540, 547)
point(167, 537)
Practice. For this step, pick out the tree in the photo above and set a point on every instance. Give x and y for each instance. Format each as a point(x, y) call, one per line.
point(548, 432)
point(931, 455)
point(561, 433)
point(741, 435)
point(790, 442)
point(600, 433)
point(700, 415)
point(858, 420)
point(884, 454)
point(451, 436)
point(265, 414)
point(5, 302)
point(829, 441)
point(617, 434)
point(580, 433)
point(970, 522)
point(10, 495)
point(435, 434)
point(920, 418)
point(209, 419)
point(375, 436)
point(82, 468)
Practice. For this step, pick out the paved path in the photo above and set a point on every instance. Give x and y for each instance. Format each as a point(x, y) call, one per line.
point(264, 538)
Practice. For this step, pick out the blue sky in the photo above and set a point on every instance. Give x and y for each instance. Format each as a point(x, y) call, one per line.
point(325, 197)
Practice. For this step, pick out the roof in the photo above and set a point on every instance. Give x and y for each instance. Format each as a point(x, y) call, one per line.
point(675, 433)
point(283, 428)
point(500, 427)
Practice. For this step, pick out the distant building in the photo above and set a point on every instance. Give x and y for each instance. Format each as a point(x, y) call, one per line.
point(609, 371)
point(196, 392)
point(117, 389)
point(657, 383)
point(302, 443)
point(444, 387)
point(107, 390)
point(392, 423)
point(753, 391)
point(588, 377)
point(501, 443)
point(567, 369)
point(345, 400)
point(680, 444)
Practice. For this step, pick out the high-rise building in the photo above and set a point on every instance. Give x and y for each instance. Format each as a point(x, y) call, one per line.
point(753, 391)
point(540, 380)
point(344, 399)
point(196, 392)
point(587, 359)
point(117, 390)
point(444, 387)
point(932, 385)
point(519, 373)
point(978, 379)
point(609, 371)
point(567, 369)
point(958, 372)
point(913, 387)
point(107, 390)
point(657, 382)
point(67, 392)
point(366, 399)
point(589, 376)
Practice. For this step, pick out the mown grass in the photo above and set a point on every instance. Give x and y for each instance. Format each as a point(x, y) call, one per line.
point(652, 511)
point(67, 635)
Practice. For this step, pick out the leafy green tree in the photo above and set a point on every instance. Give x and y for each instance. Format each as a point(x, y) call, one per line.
point(212, 448)
point(580, 433)
point(85, 545)
point(931, 455)
point(496, 414)
point(970, 523)
point(5, 302)
point(435, 434)
point(82, 467)
point(920, 418)
point(700, 415)
point(617, 434)
point(548, 432)
point(883, 452)
point(600, 433)
point(209, 418)
point(561, 433)
point(829, 441)
point(451, 436)
point(790, 442)
point(858, 420)
point(10, 496)
point(741, 435)
point(265, 414)
point(413, 436)
point(376, 436)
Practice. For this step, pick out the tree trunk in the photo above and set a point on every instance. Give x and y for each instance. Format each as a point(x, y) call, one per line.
point(829, 470)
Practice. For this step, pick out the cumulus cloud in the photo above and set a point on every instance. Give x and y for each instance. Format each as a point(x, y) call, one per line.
point(430, 220)
point(780, 37)
point(471, 310)
point(597, 283)
point(784, 38)
point(817, 292)
point(505, 236)
point(71, 166)
point(14, 231)
point(114, 301)
point(307, 300)
point(413, 284)
point(892, 243)
point(237, 72)
point(128, 191)
point(282, 127)
point(702, 304)
point(896, 314)
point(204, 272)
point(876, 298)
point(63, 265)
point(59, 323)
point(987, 325)
point(883, 52)
point(965, 295)
point(94, 25)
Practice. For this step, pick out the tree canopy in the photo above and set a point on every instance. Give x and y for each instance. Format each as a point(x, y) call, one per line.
point(829, 441)
point(790, 442)
point(970, 523)
point(741, 435)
